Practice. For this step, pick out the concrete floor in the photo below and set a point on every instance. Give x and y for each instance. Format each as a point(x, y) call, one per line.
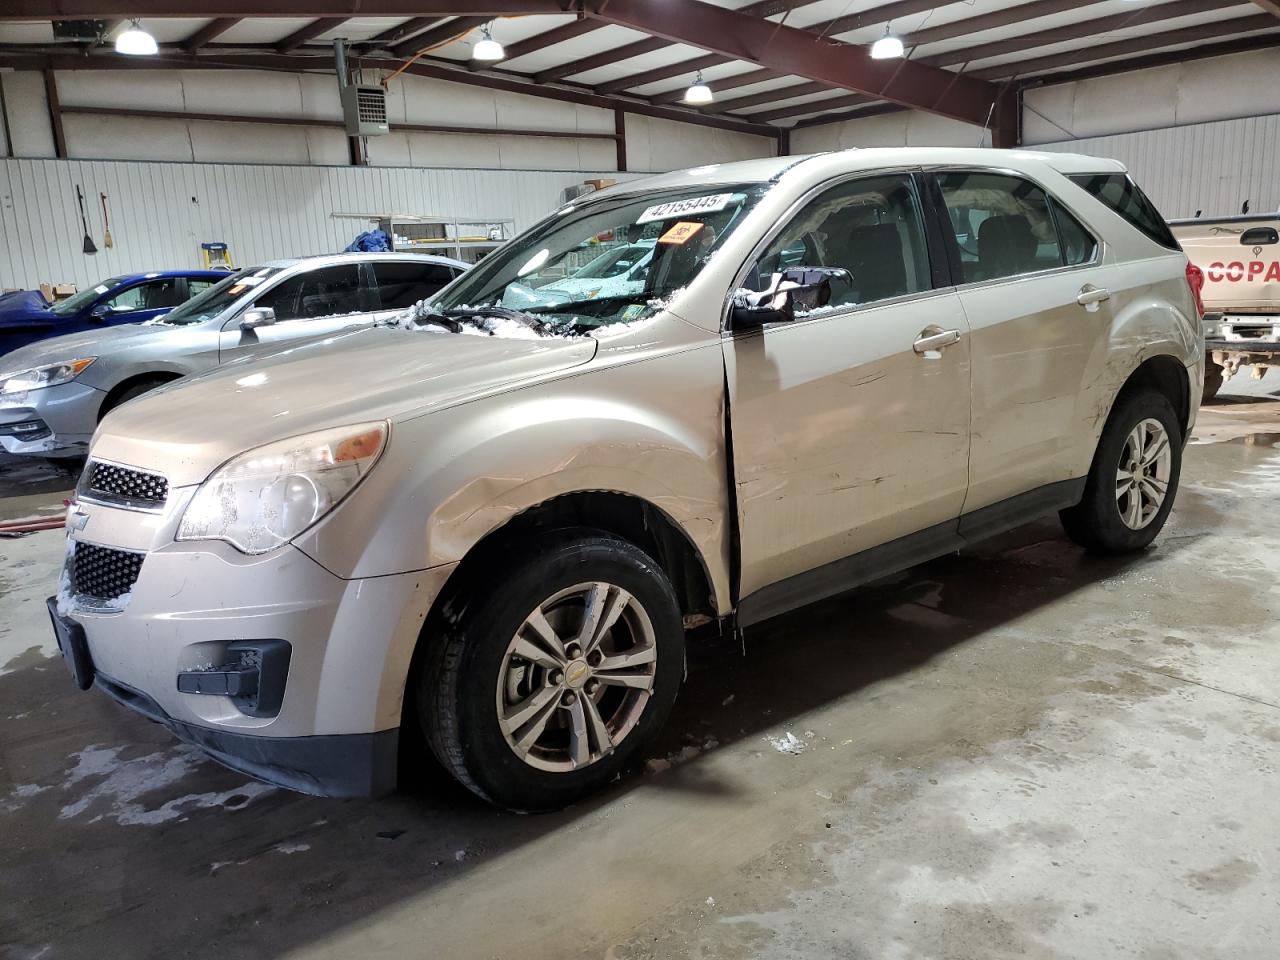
point(1014, 752)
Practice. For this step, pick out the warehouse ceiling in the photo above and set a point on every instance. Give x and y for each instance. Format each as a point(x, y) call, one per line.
point(770, 64)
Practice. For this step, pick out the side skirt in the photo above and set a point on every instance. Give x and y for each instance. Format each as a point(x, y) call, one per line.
point(896, 555)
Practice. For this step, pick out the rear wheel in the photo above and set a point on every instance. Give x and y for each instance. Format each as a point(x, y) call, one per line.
point(554, 672)
point(1212, 380)
point(1133, 480)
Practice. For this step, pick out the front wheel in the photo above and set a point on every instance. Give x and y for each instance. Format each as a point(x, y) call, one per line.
point(554, 670)
point(1133, 480)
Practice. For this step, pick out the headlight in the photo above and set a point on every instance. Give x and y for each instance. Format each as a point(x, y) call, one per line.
point(47, 376)
point(269, 495)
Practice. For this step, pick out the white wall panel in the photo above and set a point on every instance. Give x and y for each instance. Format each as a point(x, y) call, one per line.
point(1212, 167)
point(28, 113)
point(161, 212)
point(901, 129)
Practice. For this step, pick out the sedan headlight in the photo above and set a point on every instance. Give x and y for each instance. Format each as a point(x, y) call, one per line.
point(269, 495)
point(50, 375)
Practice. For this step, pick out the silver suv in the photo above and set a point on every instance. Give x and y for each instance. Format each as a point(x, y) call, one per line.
point(491, 526)
point(54, 392)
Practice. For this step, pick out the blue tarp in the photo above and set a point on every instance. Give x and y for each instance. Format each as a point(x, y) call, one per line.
point(371, 241)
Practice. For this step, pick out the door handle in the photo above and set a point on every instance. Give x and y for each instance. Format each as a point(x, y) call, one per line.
point(1090, 296)
point(934, 339)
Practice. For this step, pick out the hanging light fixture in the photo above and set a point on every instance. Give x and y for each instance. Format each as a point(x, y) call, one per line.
point(488, 49)
point(698, 91)
point(136, 42)
point(887, 47)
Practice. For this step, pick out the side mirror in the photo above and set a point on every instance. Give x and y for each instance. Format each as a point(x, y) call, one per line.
point(808, 287)
point(755, 310)
point(101, 311)
point(256, 317)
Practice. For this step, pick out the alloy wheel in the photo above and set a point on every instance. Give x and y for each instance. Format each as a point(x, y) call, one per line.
point(576, 677)
point(1142, 477)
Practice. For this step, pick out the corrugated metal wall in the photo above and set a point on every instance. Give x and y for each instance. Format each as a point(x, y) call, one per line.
point(1211, 167)
point(161, 212)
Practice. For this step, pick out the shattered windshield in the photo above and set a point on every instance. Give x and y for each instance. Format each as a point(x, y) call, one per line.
point(615, 260)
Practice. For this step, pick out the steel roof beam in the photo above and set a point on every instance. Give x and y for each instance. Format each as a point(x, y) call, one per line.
point(211, 30)
point(312, 30)
point(438, 36)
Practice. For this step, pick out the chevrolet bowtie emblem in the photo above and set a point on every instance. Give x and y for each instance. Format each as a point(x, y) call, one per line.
point(76, 520)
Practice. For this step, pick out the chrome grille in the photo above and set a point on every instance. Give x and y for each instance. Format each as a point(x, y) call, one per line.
point(107, 481)
point(102, 573)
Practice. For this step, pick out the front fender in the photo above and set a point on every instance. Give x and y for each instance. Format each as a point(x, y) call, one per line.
point(652, 429)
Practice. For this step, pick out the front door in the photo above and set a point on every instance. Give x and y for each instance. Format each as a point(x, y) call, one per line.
point(850, 426)
point(306, 304)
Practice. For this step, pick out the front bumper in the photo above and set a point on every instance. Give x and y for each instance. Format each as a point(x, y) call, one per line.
point(351, 644)
point(50, 422)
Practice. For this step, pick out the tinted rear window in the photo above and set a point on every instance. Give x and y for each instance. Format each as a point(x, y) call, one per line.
point(1122, 195)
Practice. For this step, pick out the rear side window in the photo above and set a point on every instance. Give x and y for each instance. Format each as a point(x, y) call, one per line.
point(1003, 226)
point(1078, 245)
point(1122, 195)
point(325, 292)
point(401, 285)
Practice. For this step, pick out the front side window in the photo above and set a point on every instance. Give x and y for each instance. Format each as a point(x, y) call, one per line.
point(666, 238)
point(207, 305)
point(401, 285)
point(325, 292)
point(1122, 195)
point(871, 227)
point(1002, 225)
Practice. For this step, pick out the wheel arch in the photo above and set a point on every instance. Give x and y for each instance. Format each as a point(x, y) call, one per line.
point(157, 377)
point(1166, 375)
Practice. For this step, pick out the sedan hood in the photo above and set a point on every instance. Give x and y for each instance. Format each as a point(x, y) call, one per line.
point(71, 346)
point(188, 429)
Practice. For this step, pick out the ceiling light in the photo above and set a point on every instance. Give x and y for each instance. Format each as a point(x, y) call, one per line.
point(886, 48)
point(488, 49)
point(136, 42)
point(698, 92)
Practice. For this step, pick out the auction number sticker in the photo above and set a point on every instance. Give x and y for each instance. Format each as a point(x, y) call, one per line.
point(681, 208)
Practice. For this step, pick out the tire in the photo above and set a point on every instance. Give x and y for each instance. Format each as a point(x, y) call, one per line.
point(1098, 522)
point(473, 674)
point(124, 396)
point(1212, 380)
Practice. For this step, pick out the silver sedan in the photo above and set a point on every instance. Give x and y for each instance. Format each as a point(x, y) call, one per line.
point(53, 393)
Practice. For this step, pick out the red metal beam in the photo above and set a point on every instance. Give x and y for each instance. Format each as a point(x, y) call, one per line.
point(1222, 48)
point(769, 96)
point(685, 68)
point(620, 137)
point(439, 36)
point(1102, 51)
point(205, 9)
point(210, 31)
point(55, 116)
point(602, 59)
point(334, 124)
point(397, 33)
point(993, 20)
point(1099, 27)
point(799, 109)
point(721, 85)
point(312, 30)
point(549, 38)
point(800, 53)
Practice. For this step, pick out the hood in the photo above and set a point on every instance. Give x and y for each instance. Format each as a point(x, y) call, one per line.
point(189, 428)
point(23, 305)
point(87, 343)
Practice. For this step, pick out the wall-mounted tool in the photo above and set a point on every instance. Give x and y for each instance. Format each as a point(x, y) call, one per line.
point(106, 224)
point(89, 246)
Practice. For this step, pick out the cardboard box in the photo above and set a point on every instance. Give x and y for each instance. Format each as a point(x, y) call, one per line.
point(601, 183)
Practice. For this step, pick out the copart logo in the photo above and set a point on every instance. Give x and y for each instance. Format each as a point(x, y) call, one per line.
point(1235, 271)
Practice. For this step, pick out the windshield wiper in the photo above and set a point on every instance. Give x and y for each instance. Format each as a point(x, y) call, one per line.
point(423, 315)
point(503, 313)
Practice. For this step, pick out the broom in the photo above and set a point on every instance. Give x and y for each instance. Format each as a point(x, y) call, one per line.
point(89, 246)
point(106, 224)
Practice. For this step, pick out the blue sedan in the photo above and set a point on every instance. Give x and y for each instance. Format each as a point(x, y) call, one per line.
point(26, 317)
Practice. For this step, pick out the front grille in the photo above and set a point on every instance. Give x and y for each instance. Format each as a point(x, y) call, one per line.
point(111, 482)
point(102, 573)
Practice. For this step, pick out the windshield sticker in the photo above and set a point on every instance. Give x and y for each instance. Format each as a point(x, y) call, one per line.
point(101, 288)
point(681, 233)
point(679, 208)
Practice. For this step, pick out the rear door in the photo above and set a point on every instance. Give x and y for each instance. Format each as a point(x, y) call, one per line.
point(847, 433)
point(306, 304)
point(1036, 294)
